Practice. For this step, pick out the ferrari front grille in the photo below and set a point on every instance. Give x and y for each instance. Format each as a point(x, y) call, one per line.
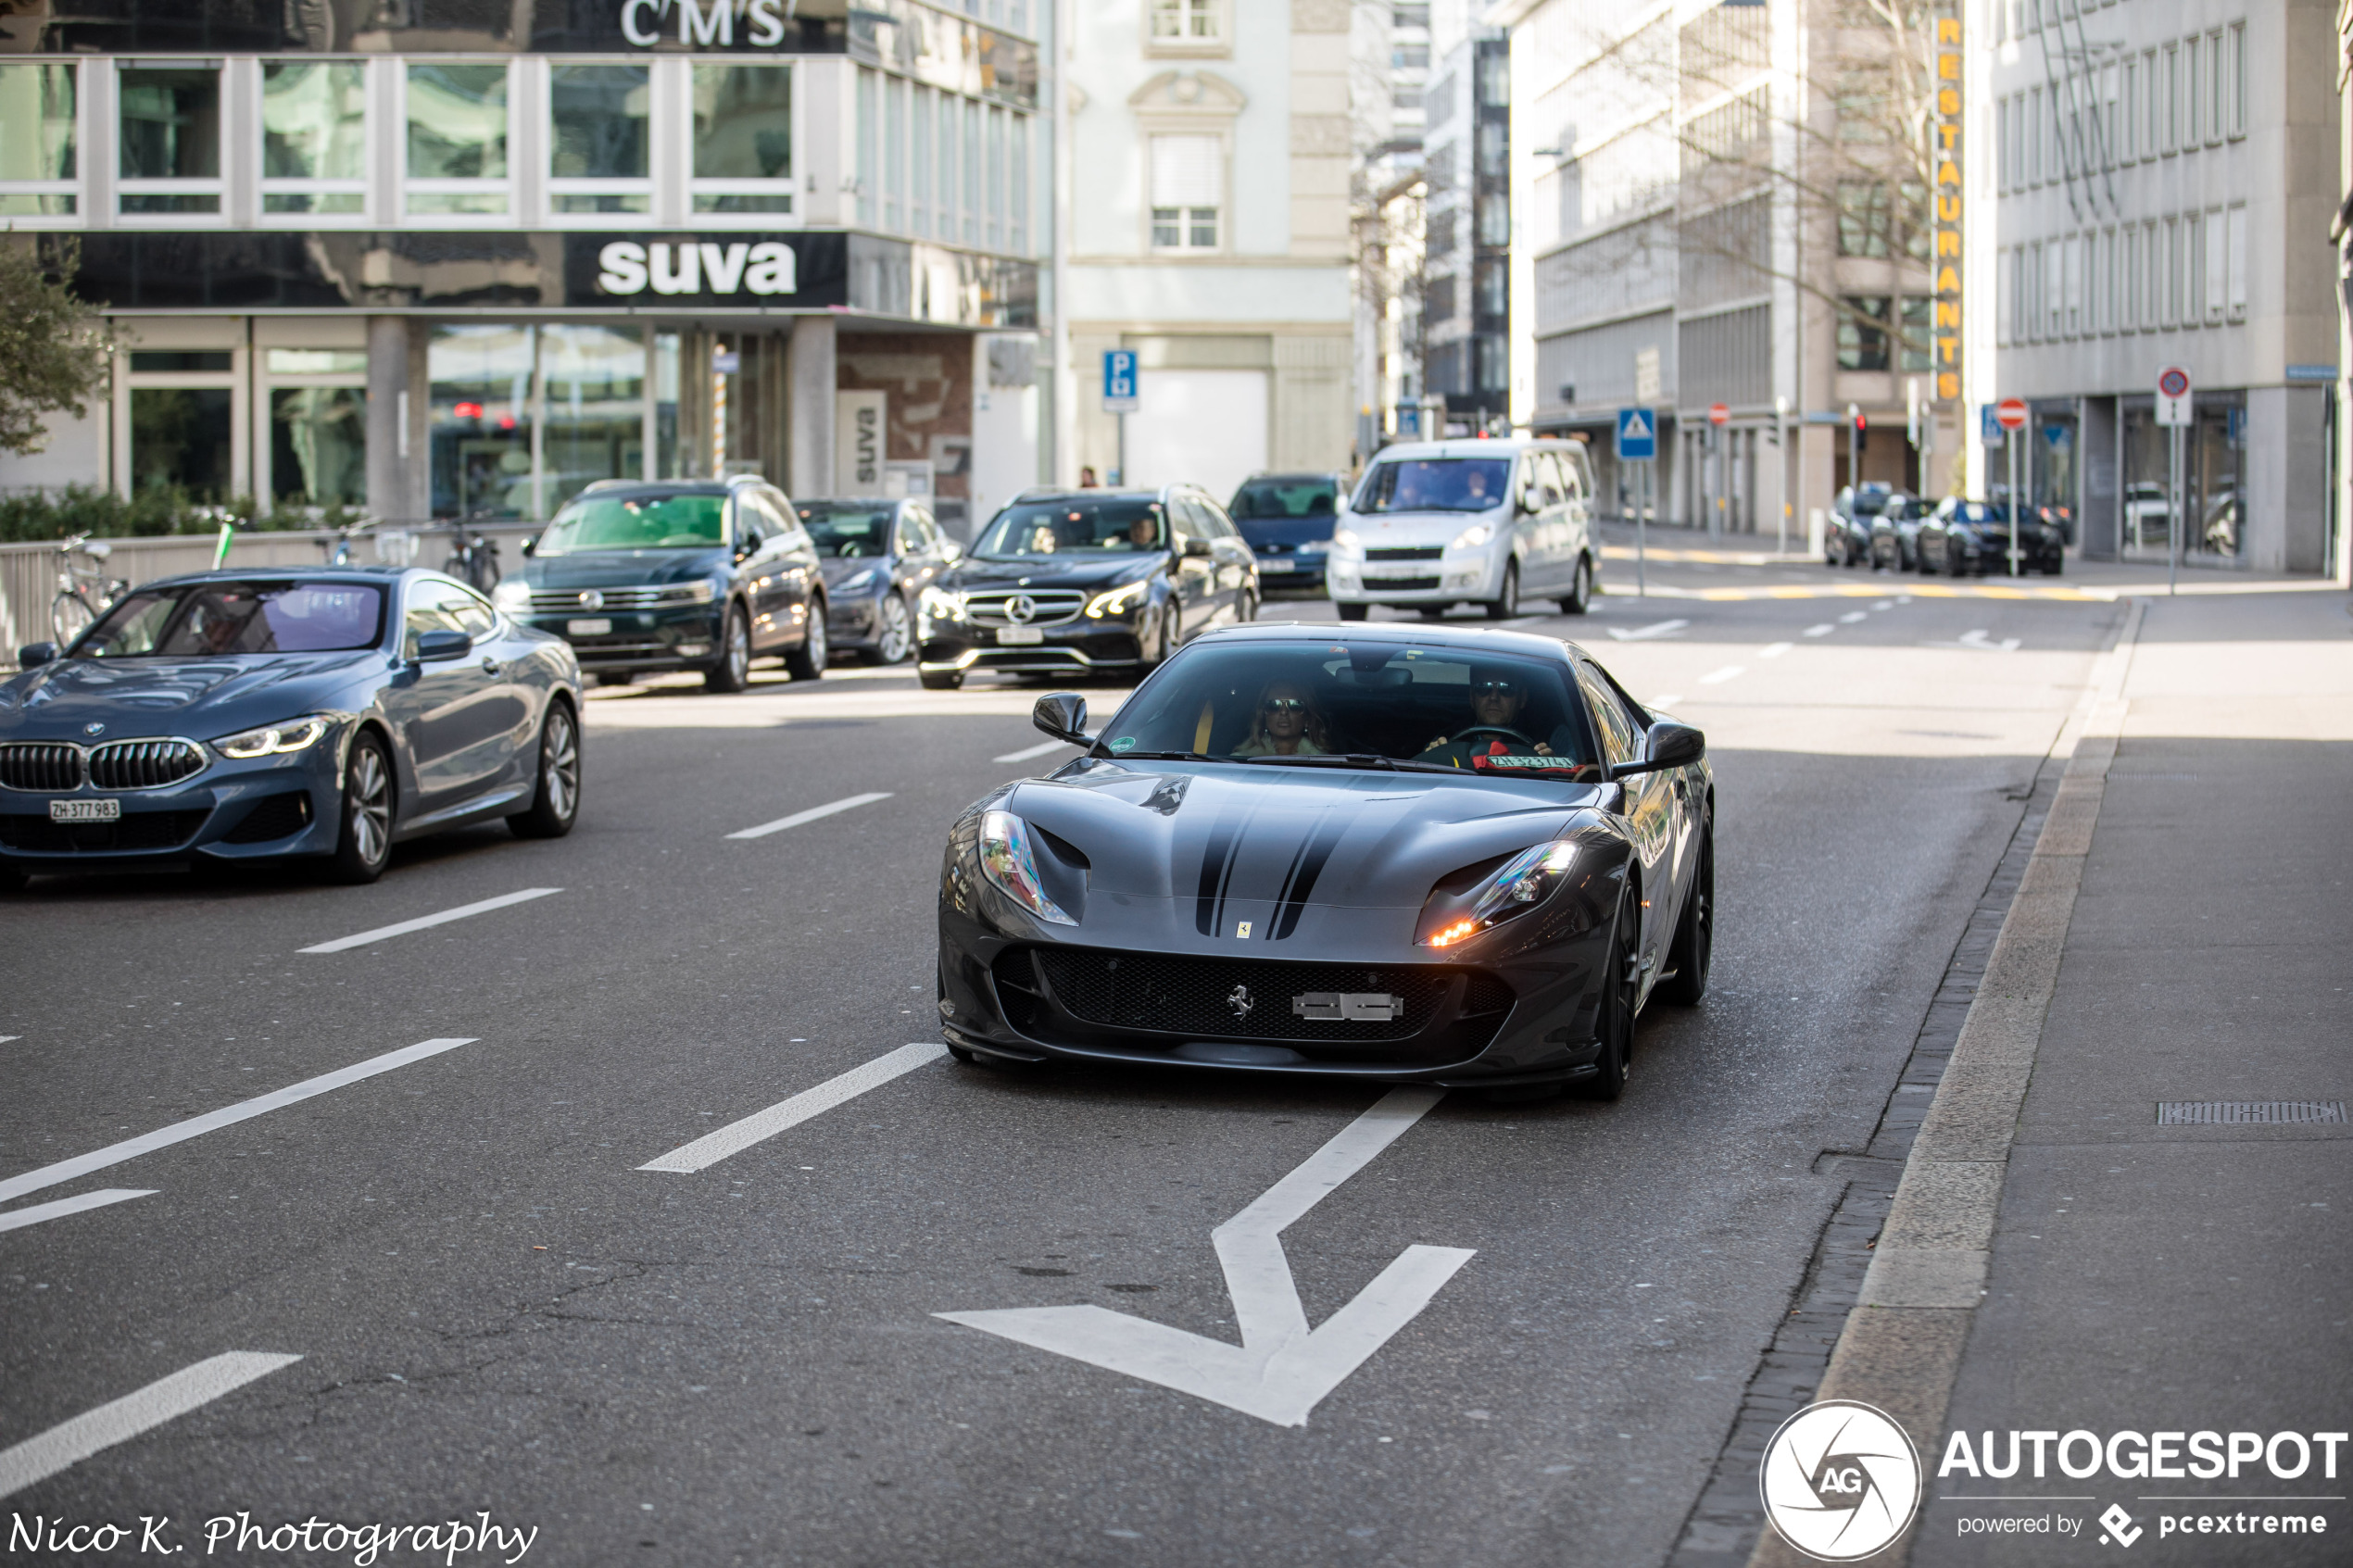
point(144, 764)
point(1200, 997)
point(52, 767)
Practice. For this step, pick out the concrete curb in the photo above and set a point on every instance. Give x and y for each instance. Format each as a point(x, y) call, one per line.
point(1901, 1347)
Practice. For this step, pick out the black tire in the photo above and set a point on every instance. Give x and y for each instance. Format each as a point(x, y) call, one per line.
point(1433, 613)
point(969, 1057)
point(1164, 641)
point(894, 631)
point(555, 805)
point(613, 677)
point(363, 842)
point(808, 662)
point(733, 672)
point(940, 680)
point(1694, 945)
point(1623, 985)
point(1506, 604)
point(1246, 609)
point(1580, 589)
point(1352, 612)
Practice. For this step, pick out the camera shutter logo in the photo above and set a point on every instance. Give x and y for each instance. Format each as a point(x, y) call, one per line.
point(1841, 1481)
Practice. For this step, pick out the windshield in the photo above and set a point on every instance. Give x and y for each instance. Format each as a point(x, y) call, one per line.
point(848, 529)
point(207, 619)
point(1420, 705)
point(1313, 496)
point(1978, 511)
point(1435, 484)
point(693, 522)
point(1075, 525)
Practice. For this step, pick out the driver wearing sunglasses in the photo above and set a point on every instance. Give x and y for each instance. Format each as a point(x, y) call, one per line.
point(1285, 724)
point(1495, 704)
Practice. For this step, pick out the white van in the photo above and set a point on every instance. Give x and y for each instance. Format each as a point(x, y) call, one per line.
point(1437, 523)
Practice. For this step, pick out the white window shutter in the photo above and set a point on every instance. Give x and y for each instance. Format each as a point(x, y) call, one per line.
point(1185, 172)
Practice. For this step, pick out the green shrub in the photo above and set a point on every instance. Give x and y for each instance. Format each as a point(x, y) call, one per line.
point(80, 509)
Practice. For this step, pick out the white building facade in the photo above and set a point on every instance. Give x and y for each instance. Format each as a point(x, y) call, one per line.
point(1209, 163)
point(2165, 176)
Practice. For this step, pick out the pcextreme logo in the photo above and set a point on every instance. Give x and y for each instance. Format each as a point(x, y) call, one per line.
point(1841, 1481)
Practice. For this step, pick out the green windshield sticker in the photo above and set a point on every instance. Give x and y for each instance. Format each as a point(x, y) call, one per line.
point(1125, 743)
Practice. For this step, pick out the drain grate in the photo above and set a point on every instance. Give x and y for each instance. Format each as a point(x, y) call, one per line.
point(2232, 1114)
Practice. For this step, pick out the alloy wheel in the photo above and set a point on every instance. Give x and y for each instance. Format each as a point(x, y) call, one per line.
point(368, 797)
point(896, 637)
point(559, 762)
point(738, 651)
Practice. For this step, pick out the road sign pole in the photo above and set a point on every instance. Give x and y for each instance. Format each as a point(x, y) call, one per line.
point(2174, 500)
point(1642, 522)
point(2017, 500)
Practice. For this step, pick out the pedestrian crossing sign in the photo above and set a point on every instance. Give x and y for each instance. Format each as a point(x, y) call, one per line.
point(1637, 435)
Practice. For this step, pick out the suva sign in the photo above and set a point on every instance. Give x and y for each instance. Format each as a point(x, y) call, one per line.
point(697, 26)
point(625, 267)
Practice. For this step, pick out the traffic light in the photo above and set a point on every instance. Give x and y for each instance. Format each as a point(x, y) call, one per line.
point(1862, 433)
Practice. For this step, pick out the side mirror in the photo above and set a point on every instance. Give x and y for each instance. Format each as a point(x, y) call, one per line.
point(951, 551)
point(440, 646)
point(34, 655)
point(531, 545)
point(1192, 546)
point(1063, 716)
point(1671, 746)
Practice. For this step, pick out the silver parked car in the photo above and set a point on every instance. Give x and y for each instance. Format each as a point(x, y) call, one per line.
point(1433, 524)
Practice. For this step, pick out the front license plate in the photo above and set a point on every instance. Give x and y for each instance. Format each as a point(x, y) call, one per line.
point(597, 628)
point(1277, 566)
point(84, 811)
point(1020, 637)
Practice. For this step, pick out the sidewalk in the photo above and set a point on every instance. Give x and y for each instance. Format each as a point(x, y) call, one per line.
point(2149, 1278)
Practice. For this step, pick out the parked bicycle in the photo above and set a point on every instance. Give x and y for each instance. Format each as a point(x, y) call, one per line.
point(84, 592)
point(475, 560)
point(337, 547)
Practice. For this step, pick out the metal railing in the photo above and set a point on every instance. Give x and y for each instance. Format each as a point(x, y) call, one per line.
point(29, 573)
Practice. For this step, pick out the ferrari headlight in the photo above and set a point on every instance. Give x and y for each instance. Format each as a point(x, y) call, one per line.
point(1119, 601)
point(1471, 538)
point(273, 740)
point(1510, 890)
point(941, 604)
point(1009, 864)
point(512, 595)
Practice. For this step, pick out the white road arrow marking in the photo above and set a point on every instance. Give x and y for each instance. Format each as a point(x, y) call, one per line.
point(1983, 641)
point(1282, 1369)
point(1644, 634)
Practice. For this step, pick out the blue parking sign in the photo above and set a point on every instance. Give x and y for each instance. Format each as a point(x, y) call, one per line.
point(1119, 381)
point(1637, 435)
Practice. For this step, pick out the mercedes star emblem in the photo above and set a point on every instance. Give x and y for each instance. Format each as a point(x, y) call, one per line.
point(591, 599)
point(1240, 1002)
point(1021, 610)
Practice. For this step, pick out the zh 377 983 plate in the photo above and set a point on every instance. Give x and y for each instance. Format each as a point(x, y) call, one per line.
point(84, 811)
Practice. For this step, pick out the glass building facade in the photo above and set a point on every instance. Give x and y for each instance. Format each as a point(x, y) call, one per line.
point(446, 260)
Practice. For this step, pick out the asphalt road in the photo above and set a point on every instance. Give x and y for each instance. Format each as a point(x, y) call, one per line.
point(497, 1312)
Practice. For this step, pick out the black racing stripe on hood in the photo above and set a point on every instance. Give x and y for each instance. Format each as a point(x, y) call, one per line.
point(1216, 864)
point(1308, 864)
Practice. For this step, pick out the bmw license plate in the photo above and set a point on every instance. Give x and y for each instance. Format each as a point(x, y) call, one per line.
point(84, 811)
point(1019, 637)
point(597, 628)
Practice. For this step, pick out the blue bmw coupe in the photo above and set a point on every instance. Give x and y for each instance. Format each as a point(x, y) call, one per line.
point(266, 715)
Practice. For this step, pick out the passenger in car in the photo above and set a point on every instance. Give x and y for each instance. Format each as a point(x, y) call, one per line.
point(1287, 724)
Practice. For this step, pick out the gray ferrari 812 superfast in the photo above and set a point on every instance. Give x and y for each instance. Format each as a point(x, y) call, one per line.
point(1399, 853)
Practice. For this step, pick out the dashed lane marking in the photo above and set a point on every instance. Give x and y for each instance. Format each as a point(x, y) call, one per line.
point(16, 1218)
point(1852, 615)
point(37, 1459)
point(196, 1126)
point(424, 922)
point(1027, 752)
point(736, 1136)
point(1774, 650)
point(1824, 630)
point(1866, 591)
point(1718, 677)
point(1667, 699)
point(1645, 634)
point(848, 803)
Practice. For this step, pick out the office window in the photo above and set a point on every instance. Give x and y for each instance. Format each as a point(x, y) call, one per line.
point(2149, 136)
point(1188, 21)
point(2111, 282)
point(2054, 286)
point(743, 138)
point(2034, 159)
point(2169, 129)
point(314, 137)
point(168, 126)
point(1866, 217)
point(1862, 333)
point(944, 176)
point(2217, 94)
point(1187, 180)
point(2169, 299)
point(457, 139)
point(318, 410)
point(2110, 119)
point(2217, 266)
point(2193, 92)
point(2127, 121)
point(894, 154)
point(996, 179)
point(919, 160)
point(600, 139)
point(2005, 295)
point(1017, 196)
point(2235, 80)
point(39, 176)
point(2235, 260)
point(1915, 350)
point(974, 169)
point(2072, 284)
point(868, 171)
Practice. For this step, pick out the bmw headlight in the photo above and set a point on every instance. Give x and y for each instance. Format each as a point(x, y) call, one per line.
point(1471, 538)
point(1008, 862)
point(274, 740)
point(1510, 890)
point(864, 582)
point(941, 604)
point(1119, 601)
point(512, 595)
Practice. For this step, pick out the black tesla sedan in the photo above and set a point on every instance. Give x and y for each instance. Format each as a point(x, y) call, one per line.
point(676, 574)
point(1972, 538)
point(1084, 583)
point(1439, 856)
point(878, 555)
point(274, 714)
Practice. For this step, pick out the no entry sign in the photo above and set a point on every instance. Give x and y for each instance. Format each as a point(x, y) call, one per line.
point(1719, 413)
point(2011, 412)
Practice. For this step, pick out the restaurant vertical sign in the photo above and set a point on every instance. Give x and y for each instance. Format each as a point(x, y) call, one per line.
point(1949, 198)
